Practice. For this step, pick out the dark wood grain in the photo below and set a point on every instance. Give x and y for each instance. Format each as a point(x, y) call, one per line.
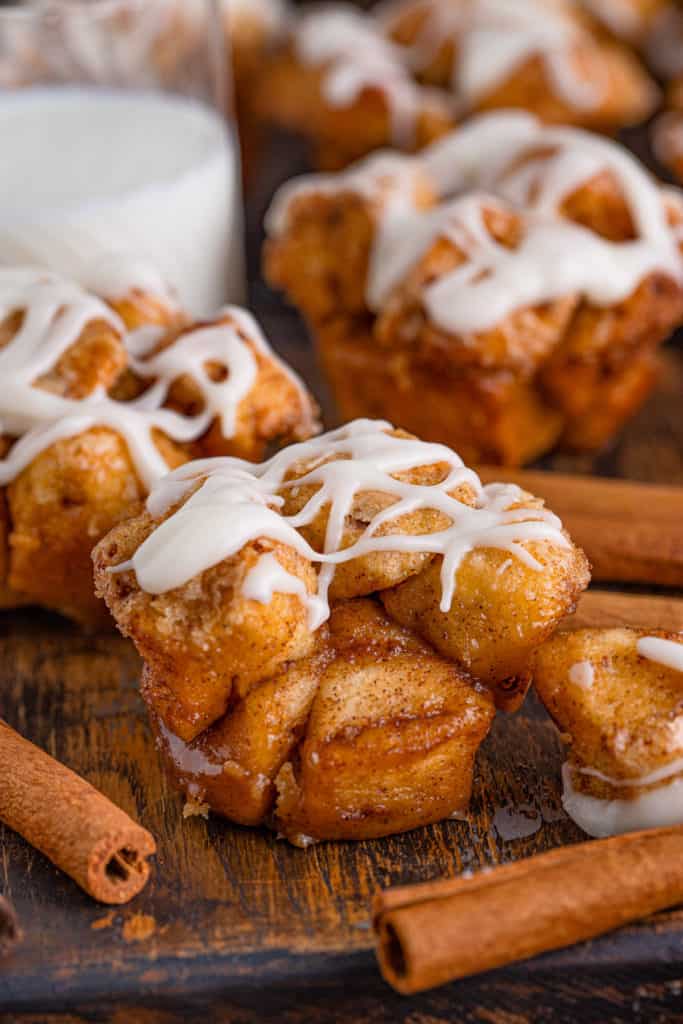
point(237, 926)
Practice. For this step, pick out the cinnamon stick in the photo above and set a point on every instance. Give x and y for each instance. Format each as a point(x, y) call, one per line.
point(71, 822)
point(630, 531)
point(604, 609)
point(437, 932)
point(10, 933)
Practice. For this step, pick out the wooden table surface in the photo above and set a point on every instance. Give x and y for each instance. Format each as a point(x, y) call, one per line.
point(239, 927)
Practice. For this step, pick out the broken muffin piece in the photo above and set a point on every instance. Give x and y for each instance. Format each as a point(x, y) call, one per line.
point(616, 697)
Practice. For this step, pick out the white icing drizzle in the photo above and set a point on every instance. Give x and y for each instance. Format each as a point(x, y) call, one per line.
point(492, 39)
point(664, 652)
point(55, 314)
point(269, 577)
point(658, 775)
point(237, 502)
point(582, 674)
point(356, 56)
point(600, 816)
point(603, 817)
point(515, 163)
point(383, 171)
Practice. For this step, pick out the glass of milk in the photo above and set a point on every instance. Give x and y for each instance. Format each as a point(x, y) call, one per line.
point(120, 162)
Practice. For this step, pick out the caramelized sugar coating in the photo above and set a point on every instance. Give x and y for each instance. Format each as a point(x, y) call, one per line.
point(502, 610)
point(203, 642)
point(499, 419)
point(593, 366)
point(390, 739)
point(299, 667)
point(519, 345)
point(232, 766)
point(373, 734)
point(68, 492)
point(396, 276)
point(628, 96)
point(139, 308)
point(619, 712)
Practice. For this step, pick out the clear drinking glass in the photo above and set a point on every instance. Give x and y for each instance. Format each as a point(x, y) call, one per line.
point(120, 153)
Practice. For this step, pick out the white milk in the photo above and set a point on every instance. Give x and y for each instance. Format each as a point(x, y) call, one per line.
point(95, 184)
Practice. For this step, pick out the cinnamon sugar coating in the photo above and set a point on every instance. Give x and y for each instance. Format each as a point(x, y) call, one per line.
point(386, 261)
point(69, 491)
point(367, 723)
point(619, 712)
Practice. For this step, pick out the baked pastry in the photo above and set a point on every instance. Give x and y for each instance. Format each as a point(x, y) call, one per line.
point(343, 85)
point(540, 55)
point(615, 696)
point(92, 414)
point(504, 291)
point(353, 82)
point(326, 634)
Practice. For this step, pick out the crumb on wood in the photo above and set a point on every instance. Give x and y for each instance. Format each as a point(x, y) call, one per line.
point(139, 927)
point(103, 922)
point(195, 809)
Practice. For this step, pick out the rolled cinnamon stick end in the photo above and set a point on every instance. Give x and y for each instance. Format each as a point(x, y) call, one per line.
point(438, 932)
point(71, 822)
point(10, 932)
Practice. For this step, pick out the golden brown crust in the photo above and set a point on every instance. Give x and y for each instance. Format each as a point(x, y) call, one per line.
point(499, 419)
point(232, 766)
point(373, 734)
point(59, 507)
point(627, 722)
point(74, 491)
point(629, 94)
point(275, 410)
point(204, 641)
point(399, 754)
point(362, 727)
point(561, 372)
point(331, 233)
point(293, 92)
point(501, 611)
point(519, 345)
